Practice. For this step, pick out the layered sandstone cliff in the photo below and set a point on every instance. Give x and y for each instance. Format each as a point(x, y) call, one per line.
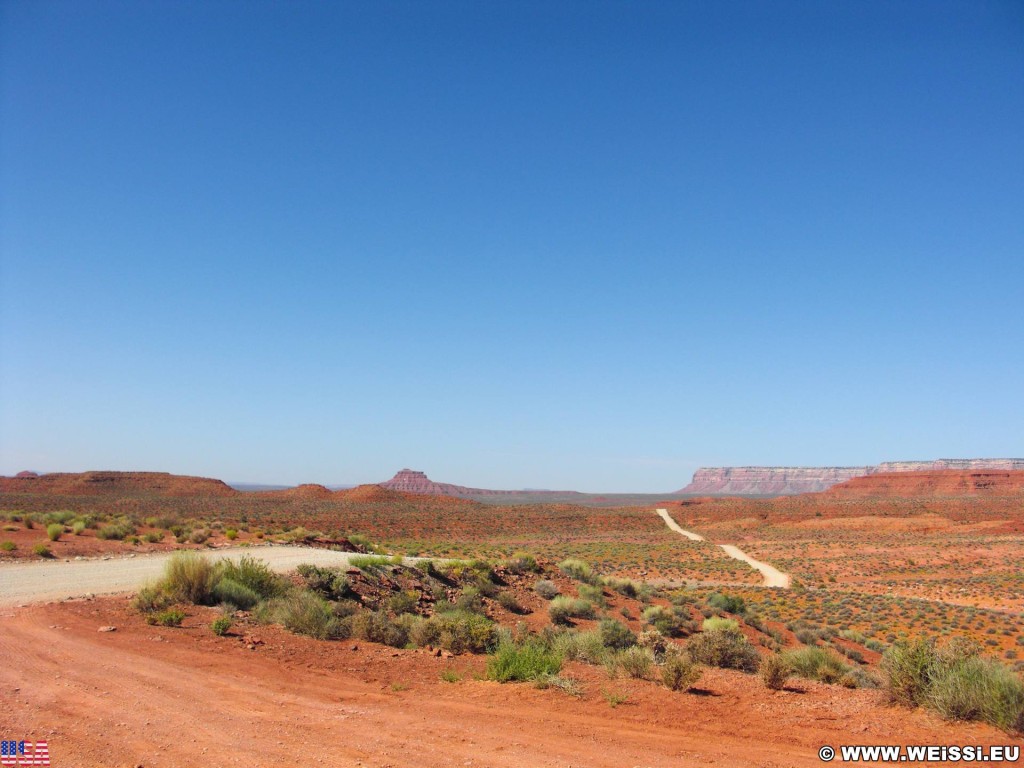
point(782, 481)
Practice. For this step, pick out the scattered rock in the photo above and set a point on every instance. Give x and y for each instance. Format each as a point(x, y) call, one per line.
point(107, 629)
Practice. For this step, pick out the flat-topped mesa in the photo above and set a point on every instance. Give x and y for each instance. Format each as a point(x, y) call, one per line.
point(122, 483)
point(769, 481)
point(1008, 465)
point(784, 481)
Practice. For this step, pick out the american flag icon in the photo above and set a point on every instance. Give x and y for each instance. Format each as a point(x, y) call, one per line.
point(24, 753)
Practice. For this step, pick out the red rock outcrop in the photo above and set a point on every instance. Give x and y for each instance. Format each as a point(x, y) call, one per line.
point(784, 481)
point(947, 482)
point(414, 481)
point(120, 483)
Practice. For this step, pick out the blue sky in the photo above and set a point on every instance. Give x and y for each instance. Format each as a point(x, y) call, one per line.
point(513, 244)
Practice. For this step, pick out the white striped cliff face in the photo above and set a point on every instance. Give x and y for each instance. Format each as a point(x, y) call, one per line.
point(783, 481)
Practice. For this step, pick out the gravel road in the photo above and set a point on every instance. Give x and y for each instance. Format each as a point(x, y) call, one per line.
point(41, 581)
point(773, 577)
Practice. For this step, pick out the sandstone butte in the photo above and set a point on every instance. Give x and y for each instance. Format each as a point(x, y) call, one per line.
point(783, 481)
point(413, 481)
point(945, 482)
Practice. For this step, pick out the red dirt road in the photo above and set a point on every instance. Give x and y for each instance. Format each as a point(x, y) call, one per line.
point(164, 698)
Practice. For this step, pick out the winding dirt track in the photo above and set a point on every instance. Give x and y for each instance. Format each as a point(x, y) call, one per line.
point(33, 582)
point(773, 577)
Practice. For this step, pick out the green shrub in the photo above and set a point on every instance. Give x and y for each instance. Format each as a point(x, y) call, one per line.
point(199, 536)
point(615, 634)
point(151, 599)
point(662, 619)
point(522, 563)
point(116, 531)
point(231, 534)
point(255, 574)
point(42, 550)
point(717, 622)
point(169, 618)
point(725, 648)
point(221, 625)
point(546, 589)
point(404, 602)
point(578, 570)
point(679, 673)
point(635, 662)
point(522, 662)
point(956, 682)
point(8, 546)
point(727, 603)
point(593, 594)
point(366, 562)
point(626, 587)
point(53, 531)
point(330, 583)
point(587, 647)
point(153, 537)
point(229, 591)
point(562, 609)
point(301, 612)
point(456, 631)
point(379, 627)
point(189, 577)
point(775, 671)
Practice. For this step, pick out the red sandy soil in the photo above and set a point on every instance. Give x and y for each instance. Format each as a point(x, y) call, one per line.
point(87, 545)
point(168, 698)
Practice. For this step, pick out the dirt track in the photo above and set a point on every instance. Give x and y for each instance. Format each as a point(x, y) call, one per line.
point(31, 582)
point(773, 577)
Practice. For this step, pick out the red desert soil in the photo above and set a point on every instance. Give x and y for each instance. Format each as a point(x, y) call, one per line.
point(164, 698)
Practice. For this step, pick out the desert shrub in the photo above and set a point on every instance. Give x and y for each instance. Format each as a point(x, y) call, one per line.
point(189, 577)
point(615, 634)
point(199, 536)
point(815, 664)
point(578, 570)
point(508, 601)
point(8, 546)
point(775, 671)
point(367, 562)
point(231, 534)
point(53, 531)
point(330, 583)
point(522, 563)
point(526, 661)
point(727, 603)
point(635, 662)
point(256, 575)
point(42, 550)
point(456, 631)
point(153, 537)
point(717, 622)
point(663, 620)
point(546, 589)
point(587, 647)
point(116, 531)
point(726, 648)
point(404, 602)
point(679, 672)
point(229, 591)
point(592, 593)
point(151, 599)
point(77, 527)
point(63, 517)
point(562, 609)
point(956, 682)
point(221, 625)
point(470, 600)
point(172, 617)
point(301, 612)
point(624, 587)
point(379, 627)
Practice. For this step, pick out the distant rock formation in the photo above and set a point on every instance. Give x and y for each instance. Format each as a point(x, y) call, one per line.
point(944, 482)
point(414, 481)
point(122, 483)
point(783, 481)
point(26, 475)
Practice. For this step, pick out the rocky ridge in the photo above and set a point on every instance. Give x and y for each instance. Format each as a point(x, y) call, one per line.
point(414, 481)
point(783, 481)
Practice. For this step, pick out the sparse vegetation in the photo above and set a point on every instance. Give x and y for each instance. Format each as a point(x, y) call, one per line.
point(727, 648)
point(522, 662)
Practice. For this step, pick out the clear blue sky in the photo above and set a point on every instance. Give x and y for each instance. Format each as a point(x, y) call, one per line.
point(568, 245)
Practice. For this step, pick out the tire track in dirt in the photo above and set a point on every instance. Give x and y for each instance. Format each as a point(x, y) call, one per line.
point(773, 577)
